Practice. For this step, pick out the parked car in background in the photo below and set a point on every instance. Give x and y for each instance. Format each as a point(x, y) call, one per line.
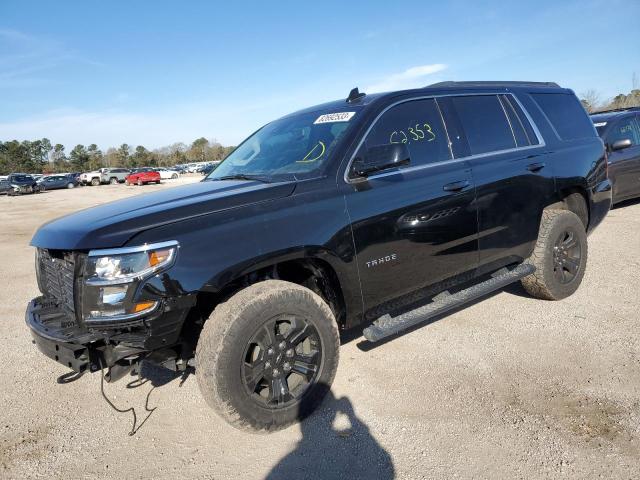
point(167, 173)
point(55, 182)
point(104, 175)
point(19, 184)
point(620, 132)
point(4, 185)
point(143, 176)
point(209, 168)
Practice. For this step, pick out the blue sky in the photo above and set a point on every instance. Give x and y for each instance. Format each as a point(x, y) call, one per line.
point(154, 73)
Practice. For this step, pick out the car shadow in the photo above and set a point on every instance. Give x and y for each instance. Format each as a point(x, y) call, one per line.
point(626, 203)
point(335, 443)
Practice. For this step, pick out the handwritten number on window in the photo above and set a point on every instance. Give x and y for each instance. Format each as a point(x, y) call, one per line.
point(417, 134)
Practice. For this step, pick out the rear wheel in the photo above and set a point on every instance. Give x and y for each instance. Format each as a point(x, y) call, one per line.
point(113, 180)
point(560, 256)
point(268, 355)
point(140, 183)
point(174, 176)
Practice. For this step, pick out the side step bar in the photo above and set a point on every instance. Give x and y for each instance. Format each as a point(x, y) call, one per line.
point(386, 325)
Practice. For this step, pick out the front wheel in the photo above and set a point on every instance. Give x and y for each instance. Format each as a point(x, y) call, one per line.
point(174, 176)
point(140, 183)
point(267, 356)
point(95, 182)
point(70, 185)
point(560, 256)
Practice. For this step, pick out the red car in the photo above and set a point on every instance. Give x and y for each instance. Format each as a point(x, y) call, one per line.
point(142, 176)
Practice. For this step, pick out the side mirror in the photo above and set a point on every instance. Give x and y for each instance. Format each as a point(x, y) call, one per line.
point(621, 144)
point(381, 157)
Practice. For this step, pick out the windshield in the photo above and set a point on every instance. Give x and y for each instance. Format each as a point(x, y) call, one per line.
point(296, 146)
point(22, 178)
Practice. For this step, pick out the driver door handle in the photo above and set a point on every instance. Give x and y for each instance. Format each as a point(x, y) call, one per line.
point(456, 186)
point(536, 167)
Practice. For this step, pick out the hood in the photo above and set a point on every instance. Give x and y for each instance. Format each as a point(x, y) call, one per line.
point(113, 224)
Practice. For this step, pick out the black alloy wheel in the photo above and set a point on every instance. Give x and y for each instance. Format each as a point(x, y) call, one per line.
point(281, 361)
point(567, 254)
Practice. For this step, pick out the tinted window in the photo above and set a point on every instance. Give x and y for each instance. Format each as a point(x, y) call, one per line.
point(627, 128)
point(418, 124)
point(512, 105)
point(566, 114)
point(516, 124)
point(484, 123)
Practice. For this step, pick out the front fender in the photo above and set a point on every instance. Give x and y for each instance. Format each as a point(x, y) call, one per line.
point(219, 248)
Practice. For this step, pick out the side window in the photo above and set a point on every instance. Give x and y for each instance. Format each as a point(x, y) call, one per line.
point(623, 129)
point(566, 114)
point(484, 122)
point(519, 121)
point(515, 123)
point(418, 124)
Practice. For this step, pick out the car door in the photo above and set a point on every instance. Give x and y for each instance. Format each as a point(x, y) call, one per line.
point(624, 164)
point(513, 180)
point(413, 227)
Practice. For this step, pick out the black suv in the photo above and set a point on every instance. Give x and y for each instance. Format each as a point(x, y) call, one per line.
point(620, 130)
point(383, 210)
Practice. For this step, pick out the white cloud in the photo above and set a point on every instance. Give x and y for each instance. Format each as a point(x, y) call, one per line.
point(413, 77)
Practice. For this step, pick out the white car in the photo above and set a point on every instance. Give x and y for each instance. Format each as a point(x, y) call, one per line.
point(167, 173)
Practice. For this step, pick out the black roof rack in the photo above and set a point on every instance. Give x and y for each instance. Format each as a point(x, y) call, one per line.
point(613, 110)
point(493, 84)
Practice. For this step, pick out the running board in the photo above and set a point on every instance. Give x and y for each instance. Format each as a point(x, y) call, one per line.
point(386, 325)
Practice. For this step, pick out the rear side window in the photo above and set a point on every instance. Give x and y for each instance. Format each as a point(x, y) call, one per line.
point(484, 122)
point(566, 115)
point(519, 122)
point(418, 124)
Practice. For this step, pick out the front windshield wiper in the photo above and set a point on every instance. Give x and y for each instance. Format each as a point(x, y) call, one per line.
point(243, 176)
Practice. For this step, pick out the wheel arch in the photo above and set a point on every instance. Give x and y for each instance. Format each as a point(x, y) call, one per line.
point(314, 268)
point(574, 199)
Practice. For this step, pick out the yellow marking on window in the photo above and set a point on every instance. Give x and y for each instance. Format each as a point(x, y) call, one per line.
point(306, 158)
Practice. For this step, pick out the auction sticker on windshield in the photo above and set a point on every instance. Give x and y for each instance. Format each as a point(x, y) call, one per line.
point(334, 117)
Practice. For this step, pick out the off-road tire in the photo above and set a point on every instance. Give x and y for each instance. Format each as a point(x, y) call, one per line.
point(95, 182)
point(543, 283)
point(223, 340)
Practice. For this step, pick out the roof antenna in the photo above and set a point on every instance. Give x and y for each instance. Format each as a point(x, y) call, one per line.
point(354, 95)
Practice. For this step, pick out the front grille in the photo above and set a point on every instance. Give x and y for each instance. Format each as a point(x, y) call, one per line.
point(56, 276)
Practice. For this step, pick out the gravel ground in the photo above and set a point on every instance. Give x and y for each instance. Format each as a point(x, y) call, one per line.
point(510, 387)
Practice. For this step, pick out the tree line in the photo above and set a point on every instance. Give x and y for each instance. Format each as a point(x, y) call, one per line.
point(41, 156)
point(592, 100)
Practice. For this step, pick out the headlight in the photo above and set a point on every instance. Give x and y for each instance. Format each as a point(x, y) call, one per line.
point(112, 278)
point(113, 267)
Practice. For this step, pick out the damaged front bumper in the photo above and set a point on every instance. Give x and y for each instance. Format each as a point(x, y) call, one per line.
point(57, 334)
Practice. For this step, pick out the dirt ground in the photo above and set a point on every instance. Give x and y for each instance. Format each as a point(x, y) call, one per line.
point(510, 387)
